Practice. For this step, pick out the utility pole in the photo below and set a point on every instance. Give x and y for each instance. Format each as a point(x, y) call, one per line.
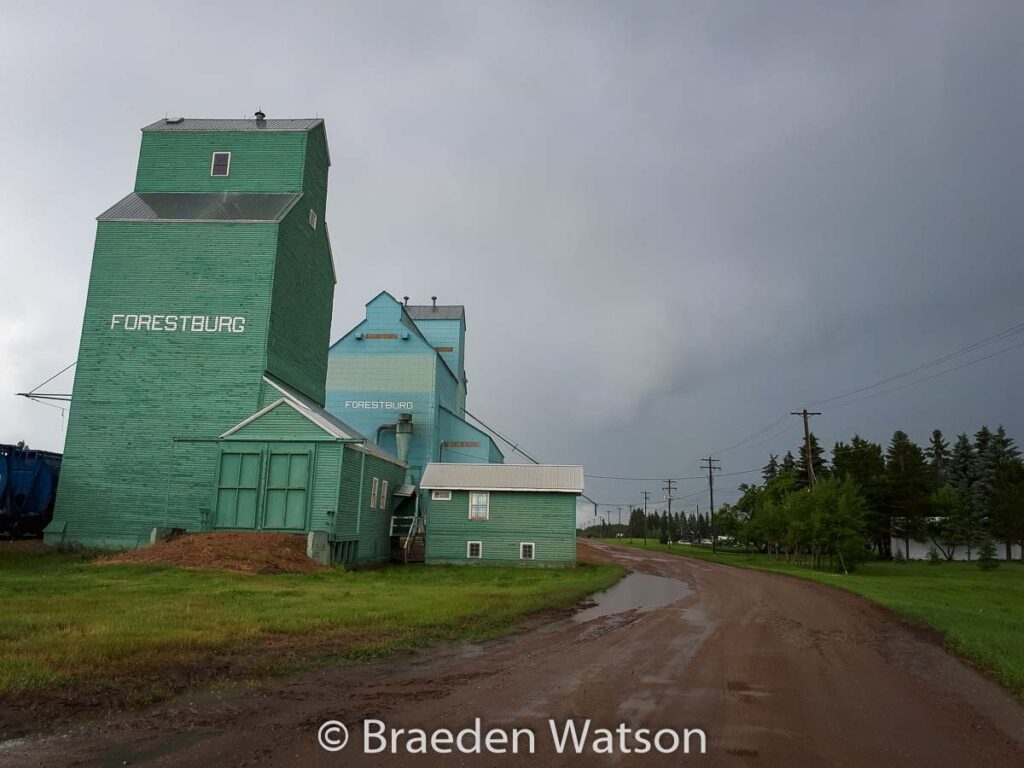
point(669, 489)
point(647, 495)
point(807, 442)
point(712, 467)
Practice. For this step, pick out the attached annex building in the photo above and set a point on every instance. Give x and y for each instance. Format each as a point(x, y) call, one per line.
point(502, 513)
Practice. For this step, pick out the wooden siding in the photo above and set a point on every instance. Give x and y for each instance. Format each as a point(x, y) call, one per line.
point(358, 521)
point(148, 405)
point(281, 423)
point(260, 162)
point(136, 390)
point(548, 520)
point(300, 328)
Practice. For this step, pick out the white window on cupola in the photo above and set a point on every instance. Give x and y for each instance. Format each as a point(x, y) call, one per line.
point(312, 218)
point(479, 504)
point(220, 164)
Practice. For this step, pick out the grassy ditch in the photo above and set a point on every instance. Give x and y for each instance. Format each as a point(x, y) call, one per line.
point(980, 613)
point(67, 621)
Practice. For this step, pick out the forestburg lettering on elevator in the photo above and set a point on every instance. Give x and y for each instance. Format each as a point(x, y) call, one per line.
point(190, 323)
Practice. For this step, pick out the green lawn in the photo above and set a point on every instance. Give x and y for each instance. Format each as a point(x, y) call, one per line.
point(980, 613)
point(66, 620)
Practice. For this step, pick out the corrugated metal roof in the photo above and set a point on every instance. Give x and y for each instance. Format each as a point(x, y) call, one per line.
point(503, 477)
point(203, 125)
point(441, 312)
point(203, 206)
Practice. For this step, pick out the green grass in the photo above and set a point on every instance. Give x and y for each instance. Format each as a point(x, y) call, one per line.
point(66, 620)
point(980, 613)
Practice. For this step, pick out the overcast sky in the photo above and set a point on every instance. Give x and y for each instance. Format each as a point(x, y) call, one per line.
point(670, 223)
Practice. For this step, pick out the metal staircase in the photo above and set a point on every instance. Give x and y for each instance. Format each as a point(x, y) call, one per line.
point(408, 538)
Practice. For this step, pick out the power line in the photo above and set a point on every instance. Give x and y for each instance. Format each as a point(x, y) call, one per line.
point(761, 431)
point(673, 479)
point(1001, 335)
point(933, 376)
point(1011, 331)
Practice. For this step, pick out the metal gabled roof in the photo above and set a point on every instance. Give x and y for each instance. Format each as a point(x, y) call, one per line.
point(201, 206)
point(203, 125)
point(554, 478)
point(441, 312)
point(326, 421)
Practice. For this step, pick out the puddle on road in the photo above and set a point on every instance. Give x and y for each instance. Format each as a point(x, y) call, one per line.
point(637, 591)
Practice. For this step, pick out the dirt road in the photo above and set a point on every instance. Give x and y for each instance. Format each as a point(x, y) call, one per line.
point(774, 670)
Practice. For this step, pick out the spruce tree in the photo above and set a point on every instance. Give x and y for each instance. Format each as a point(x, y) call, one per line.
point(863, 462)
point(1007, 505)
point(817, 462)
point(909, 485)
point(937, 454)
point(771, 469)
point(789, 463)
point(987, 555)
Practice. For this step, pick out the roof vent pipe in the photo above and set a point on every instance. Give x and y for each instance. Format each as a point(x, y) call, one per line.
point(260, 117)
point(406, 300)
point(434, 299)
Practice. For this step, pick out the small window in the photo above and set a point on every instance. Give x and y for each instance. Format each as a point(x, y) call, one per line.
point(526, 550)
point(373, 492)
point(221, 164)
point(312, 218)
point(474, 550)
point(478, 505)
point(440, 495)
point(384, 495)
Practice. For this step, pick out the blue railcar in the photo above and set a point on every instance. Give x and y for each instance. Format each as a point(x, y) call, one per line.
point(28, 487)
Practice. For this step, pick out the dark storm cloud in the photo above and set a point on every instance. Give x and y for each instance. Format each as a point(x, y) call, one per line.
point(670, 223)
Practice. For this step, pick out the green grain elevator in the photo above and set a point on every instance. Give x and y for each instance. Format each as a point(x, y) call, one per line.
point(209, 300)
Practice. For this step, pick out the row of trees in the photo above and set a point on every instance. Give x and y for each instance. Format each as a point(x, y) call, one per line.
point(955, 497)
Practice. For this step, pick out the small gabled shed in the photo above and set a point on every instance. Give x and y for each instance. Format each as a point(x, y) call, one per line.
point(292, 467)
point(522, 514)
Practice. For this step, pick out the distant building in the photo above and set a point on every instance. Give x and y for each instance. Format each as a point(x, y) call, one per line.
point(408, 359)
point(919, 550)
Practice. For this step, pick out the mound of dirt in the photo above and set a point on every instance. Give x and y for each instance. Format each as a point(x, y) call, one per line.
point(244, 552)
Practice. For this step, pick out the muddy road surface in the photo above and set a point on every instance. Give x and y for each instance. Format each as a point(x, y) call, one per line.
point(774, 670)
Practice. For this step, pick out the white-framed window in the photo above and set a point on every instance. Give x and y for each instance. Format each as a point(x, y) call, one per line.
point(220, 164)
point(312, 218)
point(479, 505)
point(440, 495)
point(373, 492)
point(474, 550)
point(526, 550)
point(384, 495)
